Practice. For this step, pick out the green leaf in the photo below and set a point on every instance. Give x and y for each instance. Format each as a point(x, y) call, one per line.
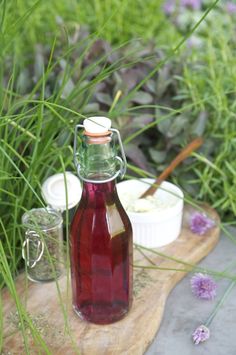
point(104, 98)
point(23, 81)
point(91, 107)
point(39, 62)
point(151, 86)
point(177, 126)
point(142, 98)
point(199, 125)
point(164, 125)
point(158, 156)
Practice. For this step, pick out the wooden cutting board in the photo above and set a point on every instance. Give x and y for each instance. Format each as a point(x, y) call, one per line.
point(130, 336)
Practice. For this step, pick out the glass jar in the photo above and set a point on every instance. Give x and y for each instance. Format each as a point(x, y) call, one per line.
point(43, 245)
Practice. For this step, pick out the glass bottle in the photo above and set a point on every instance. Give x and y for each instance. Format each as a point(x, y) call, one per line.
point(101, 234)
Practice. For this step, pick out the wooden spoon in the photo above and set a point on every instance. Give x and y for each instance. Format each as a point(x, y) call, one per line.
point(195, 144)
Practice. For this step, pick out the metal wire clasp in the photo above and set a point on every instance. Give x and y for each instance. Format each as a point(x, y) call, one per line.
point(122, 160)
point(32, 237)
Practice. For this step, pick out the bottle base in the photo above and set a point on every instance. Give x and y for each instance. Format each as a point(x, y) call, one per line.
point(101, 313)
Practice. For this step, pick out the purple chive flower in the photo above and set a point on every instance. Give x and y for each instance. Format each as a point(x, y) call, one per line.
point(169, 7)
point(201, 334)
point(200, 223)
point(192, 4)
point(203, 286)
point(230, 7)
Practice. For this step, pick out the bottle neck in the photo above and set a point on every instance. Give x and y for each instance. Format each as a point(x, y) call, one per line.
point(93, 189)
point(97, 158)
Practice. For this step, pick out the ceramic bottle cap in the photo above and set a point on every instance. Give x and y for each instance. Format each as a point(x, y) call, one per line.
point(54, 191)
point(97, 125)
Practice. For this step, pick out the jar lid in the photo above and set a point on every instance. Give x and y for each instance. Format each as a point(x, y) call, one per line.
point(43, 218)
point(97, 125)
point(54, 191)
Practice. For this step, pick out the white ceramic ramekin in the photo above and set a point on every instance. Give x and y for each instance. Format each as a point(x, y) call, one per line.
point(157, 227)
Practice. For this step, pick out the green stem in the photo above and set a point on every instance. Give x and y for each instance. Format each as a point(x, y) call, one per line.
point(219, 303)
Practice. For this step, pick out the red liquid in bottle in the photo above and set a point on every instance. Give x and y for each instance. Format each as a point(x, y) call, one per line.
point(101, 255)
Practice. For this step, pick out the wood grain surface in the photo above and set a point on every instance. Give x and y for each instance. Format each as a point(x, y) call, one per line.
point(45, 303)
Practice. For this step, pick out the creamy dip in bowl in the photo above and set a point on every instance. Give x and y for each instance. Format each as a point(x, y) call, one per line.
point(157, 219)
